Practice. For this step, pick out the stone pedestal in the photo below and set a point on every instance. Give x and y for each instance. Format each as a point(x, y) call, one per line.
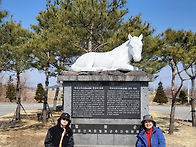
point(106, 108)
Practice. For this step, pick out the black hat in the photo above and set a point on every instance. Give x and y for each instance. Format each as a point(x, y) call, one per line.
point(65, 116)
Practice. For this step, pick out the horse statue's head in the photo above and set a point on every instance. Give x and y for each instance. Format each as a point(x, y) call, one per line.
point(135, 47)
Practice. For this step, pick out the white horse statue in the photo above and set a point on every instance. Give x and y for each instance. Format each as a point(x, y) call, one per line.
point(117, 59)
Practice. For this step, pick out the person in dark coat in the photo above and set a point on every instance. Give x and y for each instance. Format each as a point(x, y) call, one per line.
point(150, 135)
point(61, 134)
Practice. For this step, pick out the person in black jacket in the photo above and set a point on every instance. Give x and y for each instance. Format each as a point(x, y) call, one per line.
point(61, 134)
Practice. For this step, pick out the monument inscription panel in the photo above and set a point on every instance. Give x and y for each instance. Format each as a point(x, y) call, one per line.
point(115, 102)
point(105, 128)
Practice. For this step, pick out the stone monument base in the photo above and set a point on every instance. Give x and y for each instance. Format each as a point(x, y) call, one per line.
point(106, 107)
point(105, 140)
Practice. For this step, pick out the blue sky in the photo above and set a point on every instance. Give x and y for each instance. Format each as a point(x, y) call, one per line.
point(163, 14)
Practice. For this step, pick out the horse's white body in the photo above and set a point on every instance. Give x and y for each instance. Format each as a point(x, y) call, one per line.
point(118, 58)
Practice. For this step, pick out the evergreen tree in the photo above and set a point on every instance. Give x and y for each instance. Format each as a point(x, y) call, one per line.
point(69, 28)
point(178, 47)
point(4, 61)
point(190, 62)
point(10, 90)
point(14, 48)
point(160, 95)
point(39, 95)
point(182, 97)
point(3, 14)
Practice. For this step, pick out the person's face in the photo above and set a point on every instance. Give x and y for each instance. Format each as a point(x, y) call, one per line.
point(148, 124)
point(64, 122)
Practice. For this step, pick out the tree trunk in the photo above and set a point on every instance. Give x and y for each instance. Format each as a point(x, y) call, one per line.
point(18, 94)
point(56, 95)
point(90, 38)
point(46, 94)
point(172, 113)
point(17, 117)
point(193, 103)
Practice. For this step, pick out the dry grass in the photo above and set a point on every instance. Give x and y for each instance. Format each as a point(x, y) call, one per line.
point(28, 97)
point(184, 134)
point(31, 132)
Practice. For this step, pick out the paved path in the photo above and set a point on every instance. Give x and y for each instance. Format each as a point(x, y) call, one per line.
point(181, 111)
point(6, 108)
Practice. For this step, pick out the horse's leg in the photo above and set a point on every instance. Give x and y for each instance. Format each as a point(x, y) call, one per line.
point(122, 66)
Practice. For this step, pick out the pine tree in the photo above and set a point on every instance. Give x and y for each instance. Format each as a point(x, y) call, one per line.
point(3, 59)
point(160, 95)
point(14, 48)
point(68, 29)
point(10, 90)
point(39, 95)
point(182, 97)
point(3, 14)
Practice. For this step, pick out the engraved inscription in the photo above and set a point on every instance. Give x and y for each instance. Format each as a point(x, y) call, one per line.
point(88, 101)
point(106, 102)
point(123, 100)
point(110, 129)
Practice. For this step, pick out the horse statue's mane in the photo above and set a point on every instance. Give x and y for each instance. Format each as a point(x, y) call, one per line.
point(118, 58)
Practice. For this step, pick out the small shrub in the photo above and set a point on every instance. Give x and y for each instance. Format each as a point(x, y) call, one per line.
point(160, 96)
point(10, 90)
point(182, 97)
point(39, 95)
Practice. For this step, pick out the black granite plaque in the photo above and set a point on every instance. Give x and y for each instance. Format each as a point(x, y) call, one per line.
point(105, 128)
point(106, 102)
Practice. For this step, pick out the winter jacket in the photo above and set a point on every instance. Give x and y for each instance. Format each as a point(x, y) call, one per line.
point(157, 138)
point(53, 137)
